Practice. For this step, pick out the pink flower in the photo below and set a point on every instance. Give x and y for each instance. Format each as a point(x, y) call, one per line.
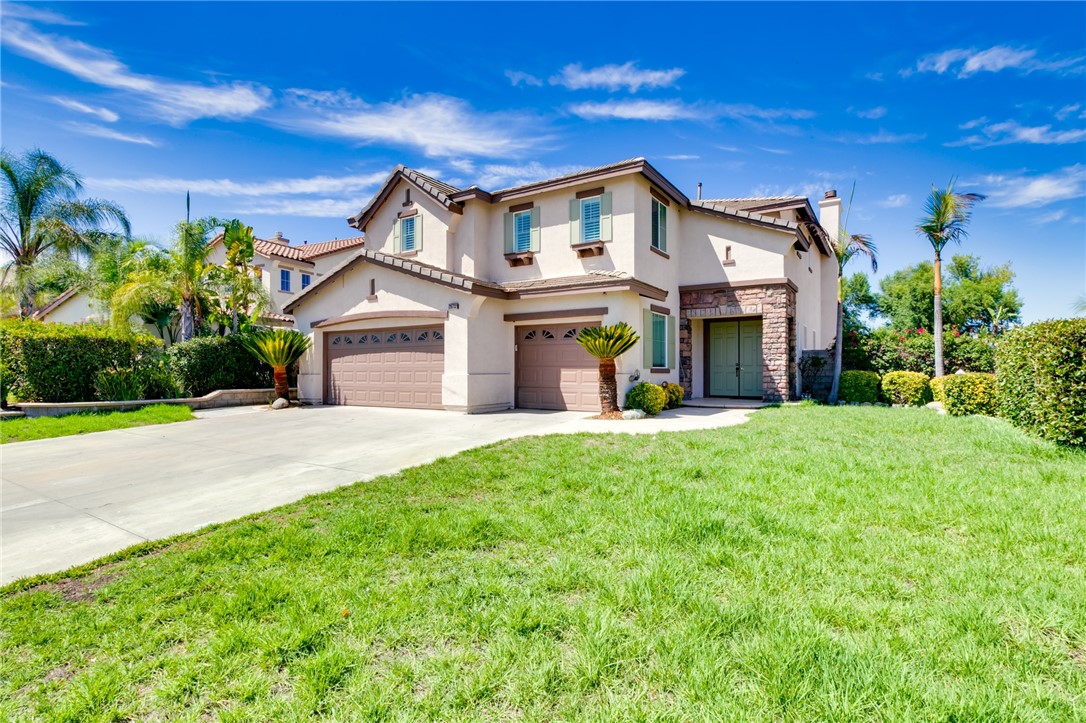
point(921, 331)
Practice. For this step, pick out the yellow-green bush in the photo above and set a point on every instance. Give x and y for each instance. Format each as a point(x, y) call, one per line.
point(910, 389)
point(648, 397)
point(674, 395)
point(857, 386)
point(936, 385)
point(970, 394)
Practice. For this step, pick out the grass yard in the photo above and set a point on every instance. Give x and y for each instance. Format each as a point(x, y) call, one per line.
point(24, 430)
point(814, 564)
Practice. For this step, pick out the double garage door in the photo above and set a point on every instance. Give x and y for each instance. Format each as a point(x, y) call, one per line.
point(402, 367)
point(553, 371)
point(385, 367)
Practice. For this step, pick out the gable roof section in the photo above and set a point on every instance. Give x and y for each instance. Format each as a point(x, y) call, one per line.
point(283, 251)
point(438, 190)
point(595, 281)
point(56, 303)
point(758, 206)
point(304, 253)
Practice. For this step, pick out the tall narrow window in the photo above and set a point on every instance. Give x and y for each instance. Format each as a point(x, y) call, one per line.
point(306, 280)
point(284, 279)
point(407, 233)
point(590, 219)
point(522, 230)
point(659, 226)
point(659, 340)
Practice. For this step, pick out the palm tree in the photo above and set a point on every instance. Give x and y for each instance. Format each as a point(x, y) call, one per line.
point(237, 288)
point(946, 215)
point(845, 247)
point(1079, 307)
point(41, 211)
point(606, 343)
point(278, 348)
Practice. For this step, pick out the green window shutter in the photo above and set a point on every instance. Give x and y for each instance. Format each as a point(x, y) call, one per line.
point(575, 221)
point(418, 232)
point(605, 217)
point(534, 248)
point(646, 338)
point(671, 342)
point(396, 236)
point(510, 235)
point(663, 228)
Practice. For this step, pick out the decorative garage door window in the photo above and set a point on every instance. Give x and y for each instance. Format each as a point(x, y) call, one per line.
point(544, 335)
point(430, 336)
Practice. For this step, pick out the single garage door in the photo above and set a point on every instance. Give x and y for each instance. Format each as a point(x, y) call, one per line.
point(385, 367)
point(553, 371)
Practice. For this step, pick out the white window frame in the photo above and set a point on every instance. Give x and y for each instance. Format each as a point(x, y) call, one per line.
point(598, 200)
point(661, 339)
point(403, 234)
point(518, 247)
point(284, 279)
point(659, 212)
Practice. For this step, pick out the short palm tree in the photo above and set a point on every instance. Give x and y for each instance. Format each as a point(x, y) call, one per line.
point(41, 211)
point(278, 348)
point(946, 215)
point(846, 247)
point(606, 343)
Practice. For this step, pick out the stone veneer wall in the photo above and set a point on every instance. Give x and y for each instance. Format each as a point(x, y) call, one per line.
point(775, 303)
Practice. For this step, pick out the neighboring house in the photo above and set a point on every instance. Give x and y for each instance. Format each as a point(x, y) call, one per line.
point(286, 270)
point(471, 300)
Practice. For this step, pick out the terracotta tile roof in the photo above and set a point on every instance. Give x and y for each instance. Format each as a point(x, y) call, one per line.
point(312, 251)
point(283, 251)
point(281, 318)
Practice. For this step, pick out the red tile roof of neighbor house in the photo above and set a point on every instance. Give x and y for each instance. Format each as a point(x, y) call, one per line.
point(281, 247)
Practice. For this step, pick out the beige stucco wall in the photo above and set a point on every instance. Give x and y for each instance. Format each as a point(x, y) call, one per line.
point(434, 218)
point(758, 252)
point(78, 309)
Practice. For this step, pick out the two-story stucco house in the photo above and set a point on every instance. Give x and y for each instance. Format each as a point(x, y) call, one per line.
point(470, 300)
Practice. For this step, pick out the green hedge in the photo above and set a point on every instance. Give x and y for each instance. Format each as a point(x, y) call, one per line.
point(886, 350)
point(970, 394)
point(936, 385)
point(648, 397)
point(61, 362)
point(1041, 379)
point(910, 389)
point(674, 394)
point(857, 386)
point(208, 363)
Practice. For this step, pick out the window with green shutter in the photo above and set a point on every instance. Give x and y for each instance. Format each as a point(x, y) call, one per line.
point(522, 231)
point(659, 226)
point(407, 234)
point(590, 219)
point(659, 340)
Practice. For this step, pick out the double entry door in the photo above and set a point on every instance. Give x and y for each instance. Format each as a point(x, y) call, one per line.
point(735, 358)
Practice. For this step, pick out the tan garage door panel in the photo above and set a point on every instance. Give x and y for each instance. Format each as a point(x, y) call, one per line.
point(385, 367)
point(553, 371)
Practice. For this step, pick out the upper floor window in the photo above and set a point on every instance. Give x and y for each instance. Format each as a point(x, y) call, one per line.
point(407, 233)
point(659, 340)
point(306, 280)
point(522, 231)
point(284, 279)
point(590, 219)
point(659, 226)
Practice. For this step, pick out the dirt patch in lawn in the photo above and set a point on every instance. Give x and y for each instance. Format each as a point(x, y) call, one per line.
point(81, 589)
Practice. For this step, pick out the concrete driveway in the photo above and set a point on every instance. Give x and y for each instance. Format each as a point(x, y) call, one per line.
point(70, 500)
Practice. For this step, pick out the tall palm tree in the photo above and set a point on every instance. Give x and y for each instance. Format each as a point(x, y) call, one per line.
point(946, 215)
point(278, 348)
point(846, 247)
point(41, 211)
point(606, 343)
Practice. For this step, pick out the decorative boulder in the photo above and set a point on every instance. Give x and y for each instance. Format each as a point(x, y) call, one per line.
point(634, 414)
point(280, 403)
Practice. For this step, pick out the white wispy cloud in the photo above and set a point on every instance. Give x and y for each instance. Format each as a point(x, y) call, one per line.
point(1051, 217)
point(1069, 110)
point(895, 200)
point(223, 187)
point(103, 113)
point(877, 77)
point(885, 136)
point(775, 151)
point(682, 157)
point(517, 77)
point(438, 125)
point(35, 14)
point(175, 102)
point(870, 113)
point(499, 175)
point(1008, 132)
point(615, 77)
point(93, 129)
point(647, 110)
point(965, 62)
point(305, 207)
point(1023, 190)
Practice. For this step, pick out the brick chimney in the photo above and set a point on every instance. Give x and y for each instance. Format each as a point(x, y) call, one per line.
point(829, 214)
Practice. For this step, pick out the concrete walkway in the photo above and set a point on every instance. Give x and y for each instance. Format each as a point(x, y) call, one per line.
point(70, 500)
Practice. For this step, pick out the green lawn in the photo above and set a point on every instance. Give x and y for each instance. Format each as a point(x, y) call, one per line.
point(23, 429)
point(814, 564)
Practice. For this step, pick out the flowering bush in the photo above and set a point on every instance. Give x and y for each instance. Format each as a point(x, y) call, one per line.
point(913, 350)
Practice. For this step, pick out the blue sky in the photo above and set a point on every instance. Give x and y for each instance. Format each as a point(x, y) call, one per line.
point(288, 115)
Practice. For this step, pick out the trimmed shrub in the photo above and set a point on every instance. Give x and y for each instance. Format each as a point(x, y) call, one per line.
point(936, 385)
point(648, 397)
point(208, 363)
point(1041, 380)
point(60, 362)
point(674, 394)
point(910, 389)
point(914, 351)
point(857, 386)
point(969, 394)
point(159, 382)
point(120, 385)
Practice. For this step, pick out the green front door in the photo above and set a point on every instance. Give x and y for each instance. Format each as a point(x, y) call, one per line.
point(735, 358)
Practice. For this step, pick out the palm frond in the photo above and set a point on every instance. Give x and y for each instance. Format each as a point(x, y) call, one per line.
point(608, 342)
point(277, 348)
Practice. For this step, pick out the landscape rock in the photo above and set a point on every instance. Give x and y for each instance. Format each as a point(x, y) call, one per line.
point(280, 403)
point(937, 406)
point(633, 414)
